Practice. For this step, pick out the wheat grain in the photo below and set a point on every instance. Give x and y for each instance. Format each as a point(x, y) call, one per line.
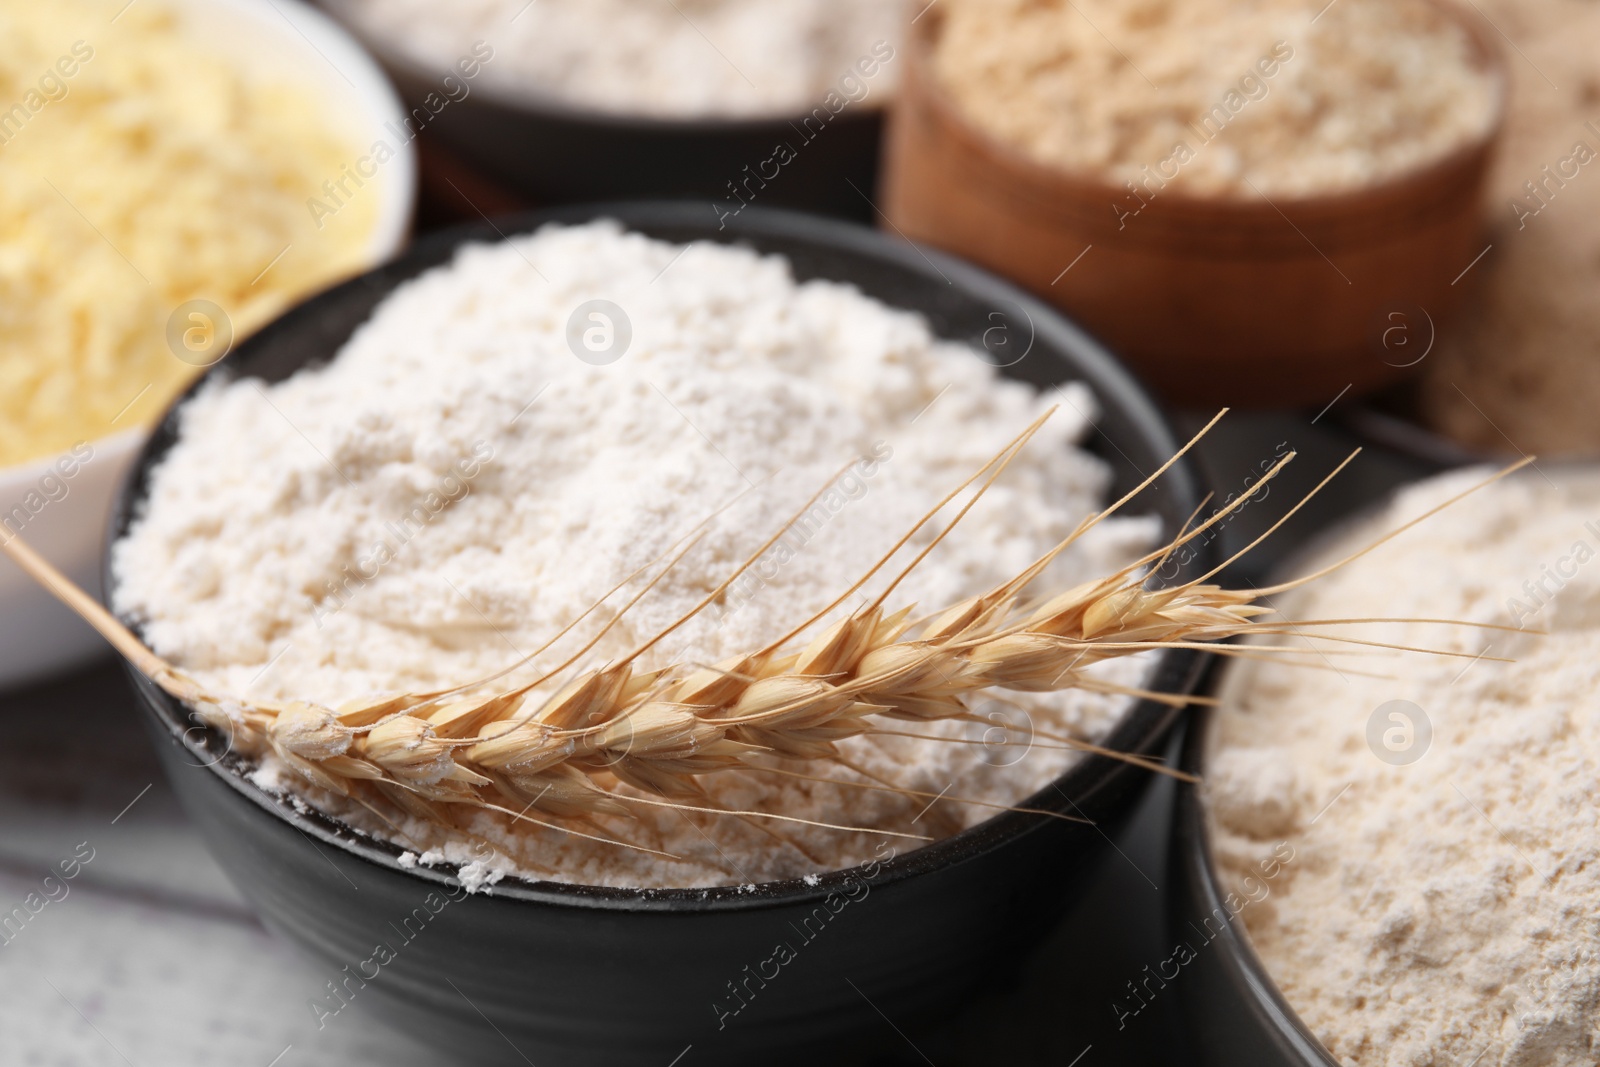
point(661, 731)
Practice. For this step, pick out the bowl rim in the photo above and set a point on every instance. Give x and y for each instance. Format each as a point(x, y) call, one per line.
point(370, 85)
point(18, 477)
point(1192, 837)
point(920, 78)
point(541, 104)
point(1140, 729)
point(1193, 834)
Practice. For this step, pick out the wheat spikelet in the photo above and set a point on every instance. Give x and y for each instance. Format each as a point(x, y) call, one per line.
point(661, 731)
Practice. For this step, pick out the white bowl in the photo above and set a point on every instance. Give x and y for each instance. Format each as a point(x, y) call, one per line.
point(276, 37)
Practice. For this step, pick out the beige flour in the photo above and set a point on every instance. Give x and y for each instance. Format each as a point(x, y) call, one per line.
point(1522, 369)
point(1444, 911)
point(283, 553)
point(1219, 94)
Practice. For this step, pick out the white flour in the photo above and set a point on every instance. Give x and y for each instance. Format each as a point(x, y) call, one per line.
point(277, 559)
point(665, 58)
point(1445, 911)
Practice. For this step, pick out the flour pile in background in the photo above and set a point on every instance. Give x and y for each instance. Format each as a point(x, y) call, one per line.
point(664, 58)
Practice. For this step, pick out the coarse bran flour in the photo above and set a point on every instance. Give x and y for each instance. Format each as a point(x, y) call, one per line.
point(663, 58)
point(457, 485)
point(1444, 903)
point(1218, 95)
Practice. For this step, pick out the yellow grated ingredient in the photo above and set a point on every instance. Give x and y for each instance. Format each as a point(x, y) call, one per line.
point(138, 171)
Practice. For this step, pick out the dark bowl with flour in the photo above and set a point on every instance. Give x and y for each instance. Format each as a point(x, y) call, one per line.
point(549, 972)
point(1234, 1010)
point(551, 151)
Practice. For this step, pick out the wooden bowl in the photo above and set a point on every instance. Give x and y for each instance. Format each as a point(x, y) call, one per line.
point(1256, 302)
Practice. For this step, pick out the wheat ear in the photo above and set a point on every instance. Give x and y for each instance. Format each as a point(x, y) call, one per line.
point(660, 731)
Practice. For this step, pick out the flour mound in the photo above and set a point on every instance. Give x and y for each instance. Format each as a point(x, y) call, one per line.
point(457, 486)
point(1445, 910)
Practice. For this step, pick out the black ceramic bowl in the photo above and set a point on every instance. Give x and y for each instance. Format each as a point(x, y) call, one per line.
point(576, 974)
point(1234, 1010)
point(557, 153)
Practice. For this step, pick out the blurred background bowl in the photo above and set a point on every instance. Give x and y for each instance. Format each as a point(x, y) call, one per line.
point(595, 975)
point(1213, 300)
point(284, 39)
point(544, 151)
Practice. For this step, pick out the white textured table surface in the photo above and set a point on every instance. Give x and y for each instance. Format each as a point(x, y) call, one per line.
point(150, 956)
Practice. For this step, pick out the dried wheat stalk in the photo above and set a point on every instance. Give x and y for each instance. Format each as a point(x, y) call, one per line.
point(660, 731)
